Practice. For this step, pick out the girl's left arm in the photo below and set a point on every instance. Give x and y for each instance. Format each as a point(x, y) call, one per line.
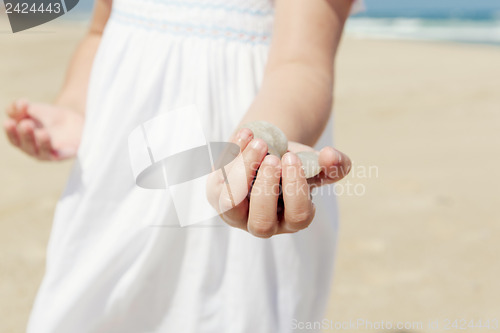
point(296, 95)
point(297, 90)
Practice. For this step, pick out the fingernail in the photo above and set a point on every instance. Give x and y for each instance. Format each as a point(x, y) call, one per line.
point(335, 154)
point(20, 103)
point(258, 144)
point(338, 155)
point(290, 159)
point(244, 135)
point(272, 160)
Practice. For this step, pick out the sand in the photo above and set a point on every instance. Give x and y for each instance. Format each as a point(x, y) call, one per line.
point(420, 229)
point(422, 243)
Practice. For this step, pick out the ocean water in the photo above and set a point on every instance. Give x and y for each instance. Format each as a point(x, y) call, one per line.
point(467, 21)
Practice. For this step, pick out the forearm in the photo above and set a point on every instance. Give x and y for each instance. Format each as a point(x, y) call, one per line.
point(74, 91)
point(297, 90)
point(73, 94)
point(297, 97)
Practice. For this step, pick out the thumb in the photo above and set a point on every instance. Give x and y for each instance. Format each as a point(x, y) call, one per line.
point(334, 164)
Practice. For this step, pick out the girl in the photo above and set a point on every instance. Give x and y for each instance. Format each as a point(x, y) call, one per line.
point(115, 262)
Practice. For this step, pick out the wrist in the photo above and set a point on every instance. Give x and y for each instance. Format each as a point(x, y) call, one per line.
point(70, 101)
point(297, 98)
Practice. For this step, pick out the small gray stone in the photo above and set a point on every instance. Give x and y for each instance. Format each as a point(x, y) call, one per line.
point(275, 138)
point(310, 163)
point(278, 145)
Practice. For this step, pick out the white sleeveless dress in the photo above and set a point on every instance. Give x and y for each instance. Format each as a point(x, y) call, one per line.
point(117, 261)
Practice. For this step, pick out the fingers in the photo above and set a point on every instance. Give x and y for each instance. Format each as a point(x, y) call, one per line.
point(218, 181)
point(260, 215)
point(26, 132)
point(10, 127)
point(263, 217)
point(299, 209)
point(243, 137)
point(18, 110)
point(45, 150)
point(224, 195)
point(233, 200)
point(27, 127)
point(34, 142)
point(334, 164)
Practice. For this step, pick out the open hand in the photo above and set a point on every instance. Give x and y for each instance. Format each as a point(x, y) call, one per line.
point(44, 131)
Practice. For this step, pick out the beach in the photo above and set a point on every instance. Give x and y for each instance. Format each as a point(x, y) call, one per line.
point(418, 239)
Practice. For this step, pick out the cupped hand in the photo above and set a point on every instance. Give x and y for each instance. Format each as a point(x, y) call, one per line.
point(266, 196)
point(44, 131)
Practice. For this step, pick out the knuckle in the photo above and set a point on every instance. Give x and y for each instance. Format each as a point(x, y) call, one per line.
point(300, 219)
point(268, 185)
point(232, 219)
point(22, 130)
point(225, 203)
point(44, 143)
point(295, 188)
point(292, 179)
point(230, 222)
point(251, 166)
point(262, 229)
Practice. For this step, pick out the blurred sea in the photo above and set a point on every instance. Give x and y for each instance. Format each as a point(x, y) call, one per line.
point(468, 21)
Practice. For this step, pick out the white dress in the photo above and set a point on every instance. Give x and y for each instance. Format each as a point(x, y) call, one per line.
point(117, 259)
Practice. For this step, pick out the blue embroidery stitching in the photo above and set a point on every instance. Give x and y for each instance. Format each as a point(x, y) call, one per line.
point(214, 7)
point(251, 37)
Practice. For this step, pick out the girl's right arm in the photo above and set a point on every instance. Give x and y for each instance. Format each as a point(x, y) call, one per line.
point(74, 91)
point(53, 131)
